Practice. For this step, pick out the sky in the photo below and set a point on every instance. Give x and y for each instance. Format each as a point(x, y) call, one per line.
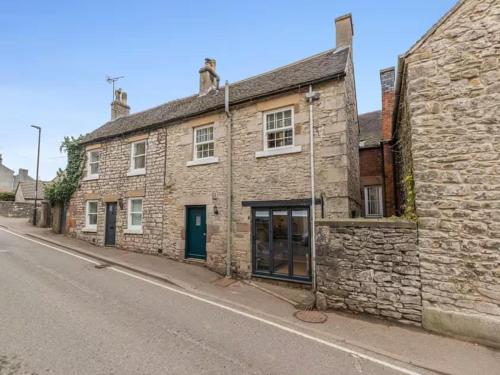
point(55, 55)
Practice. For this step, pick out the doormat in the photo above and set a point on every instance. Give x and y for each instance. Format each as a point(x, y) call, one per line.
point(311, 316)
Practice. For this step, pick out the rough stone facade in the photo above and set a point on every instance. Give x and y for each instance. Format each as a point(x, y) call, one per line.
point(448, 134)
point(172, 182)
point(369, 266)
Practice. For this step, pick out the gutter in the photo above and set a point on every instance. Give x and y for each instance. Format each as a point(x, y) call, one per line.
point(156, 125)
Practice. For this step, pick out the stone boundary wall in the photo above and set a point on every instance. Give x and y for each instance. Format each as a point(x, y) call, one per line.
point(16, 209)
point(369, 266)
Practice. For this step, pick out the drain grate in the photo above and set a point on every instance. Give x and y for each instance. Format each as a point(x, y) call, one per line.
point(311, 316)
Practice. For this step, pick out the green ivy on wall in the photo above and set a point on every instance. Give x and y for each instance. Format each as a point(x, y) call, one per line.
point(409, 208)
point(67, 180)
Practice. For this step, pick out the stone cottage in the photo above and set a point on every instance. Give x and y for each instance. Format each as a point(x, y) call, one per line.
point(447, 132)
point(231, 176)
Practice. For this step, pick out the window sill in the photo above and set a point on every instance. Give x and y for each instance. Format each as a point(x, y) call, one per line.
point(209, 160)
point(89, 230)
point(278, 151)
point(91, 177)
point(136, 172)
point(132, 231)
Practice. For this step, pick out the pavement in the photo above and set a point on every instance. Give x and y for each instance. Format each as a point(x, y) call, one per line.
point(67, 307)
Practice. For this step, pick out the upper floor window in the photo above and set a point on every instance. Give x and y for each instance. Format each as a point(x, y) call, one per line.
point(278, 128)
point(93, 164)
point(204, 142)
point(373, 201)
point(91, 215)
point(138, 158)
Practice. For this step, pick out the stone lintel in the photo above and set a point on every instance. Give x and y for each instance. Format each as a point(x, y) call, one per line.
point(135, 193)
point(93, 147)
point(110, 198)
point(368, 223)
point(137, 137)
point(89, 196)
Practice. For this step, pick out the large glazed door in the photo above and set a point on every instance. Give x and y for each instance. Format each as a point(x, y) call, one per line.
point(281, 243)
point(196, 232)
point(110, 234)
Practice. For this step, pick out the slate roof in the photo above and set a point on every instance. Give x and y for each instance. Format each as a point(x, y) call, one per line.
point(28, 189)
point(370, 128)
point(321, 67)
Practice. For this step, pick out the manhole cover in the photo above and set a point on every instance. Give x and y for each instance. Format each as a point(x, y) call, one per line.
point(311, 316)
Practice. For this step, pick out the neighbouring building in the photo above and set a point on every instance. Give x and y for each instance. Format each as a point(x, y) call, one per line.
point(9, 180)
point(25, 191)
point(447, 147)
point(224, 176)
point(375, 154)
point(6, 177)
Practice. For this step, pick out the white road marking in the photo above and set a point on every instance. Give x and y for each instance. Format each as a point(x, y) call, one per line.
point(233, 310)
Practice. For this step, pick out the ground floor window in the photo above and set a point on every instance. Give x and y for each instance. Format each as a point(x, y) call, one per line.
point(281, 242)
point(373, 201)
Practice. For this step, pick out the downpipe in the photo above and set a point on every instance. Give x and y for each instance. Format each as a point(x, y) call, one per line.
point(312, 96)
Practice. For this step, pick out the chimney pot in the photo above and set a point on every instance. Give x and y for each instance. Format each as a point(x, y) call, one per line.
point(119, 107)
point(209, 79)
point(344, 30)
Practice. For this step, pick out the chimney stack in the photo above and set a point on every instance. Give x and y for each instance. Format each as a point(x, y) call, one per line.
point(119, 107)
point(209, 80)
point(387, 79)
point(344, 31)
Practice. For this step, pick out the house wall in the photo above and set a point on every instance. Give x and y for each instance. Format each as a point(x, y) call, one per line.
point(371, 170)
point(170, 184)
point(449, 125)
point(114, 185)
point(6, 179)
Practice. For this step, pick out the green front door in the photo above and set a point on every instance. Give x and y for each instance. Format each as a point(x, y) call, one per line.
point(196, 232)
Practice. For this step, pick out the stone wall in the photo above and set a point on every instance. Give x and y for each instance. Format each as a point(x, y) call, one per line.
point(369, 266)
point(16, 209)
point(449, 129)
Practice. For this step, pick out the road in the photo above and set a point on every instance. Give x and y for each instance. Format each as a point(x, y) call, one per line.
point(59, 314)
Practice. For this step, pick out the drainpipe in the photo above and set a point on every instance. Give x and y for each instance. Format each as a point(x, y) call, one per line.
point(311, 96)
point(229, 179)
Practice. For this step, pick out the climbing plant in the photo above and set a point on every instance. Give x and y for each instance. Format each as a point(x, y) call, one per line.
point(67, 180)
point(409, 207)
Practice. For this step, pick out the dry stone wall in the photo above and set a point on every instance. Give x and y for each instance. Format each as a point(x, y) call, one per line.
point(369, 266)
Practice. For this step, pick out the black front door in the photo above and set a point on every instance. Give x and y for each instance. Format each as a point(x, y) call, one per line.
point(110, 234)
point(196, 232)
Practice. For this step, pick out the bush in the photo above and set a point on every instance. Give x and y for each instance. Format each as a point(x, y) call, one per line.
point(7, 196)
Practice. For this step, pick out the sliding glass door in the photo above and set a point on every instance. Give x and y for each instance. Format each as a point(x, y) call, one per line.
point(280, 242)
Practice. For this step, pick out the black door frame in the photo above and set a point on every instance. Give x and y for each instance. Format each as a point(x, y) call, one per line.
point(106, 223)
point(271, 274)
point(186, 225)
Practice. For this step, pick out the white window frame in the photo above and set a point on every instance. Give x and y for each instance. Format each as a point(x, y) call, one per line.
point(266, 131)
point(195, 143)
point(91, 227)
point(137, 171)
point(130, 227)
point(380, 200)
point(90, 175)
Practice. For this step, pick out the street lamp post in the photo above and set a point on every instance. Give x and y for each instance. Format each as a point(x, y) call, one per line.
point(37, 166)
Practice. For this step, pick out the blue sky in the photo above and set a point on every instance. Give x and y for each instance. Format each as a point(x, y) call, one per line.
point(54, 55)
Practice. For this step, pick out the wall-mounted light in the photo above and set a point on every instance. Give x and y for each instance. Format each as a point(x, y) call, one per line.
point(216, 210)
